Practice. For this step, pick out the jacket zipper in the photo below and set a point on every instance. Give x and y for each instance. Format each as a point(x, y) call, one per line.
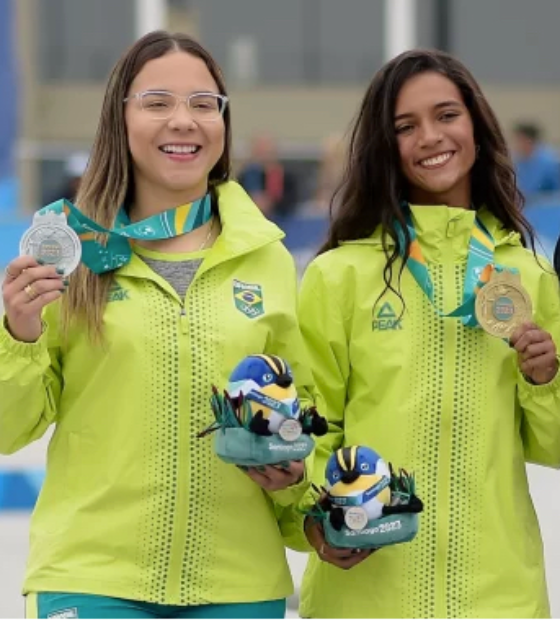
point(183, 321)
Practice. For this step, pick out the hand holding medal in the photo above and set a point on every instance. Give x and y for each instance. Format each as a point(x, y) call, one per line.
point(536, 353)
point(497, 303)
point(61, 236)
point(29, 287)
point(504, 309)
point(49, 251)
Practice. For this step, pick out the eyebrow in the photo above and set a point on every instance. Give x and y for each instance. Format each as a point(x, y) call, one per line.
point(194, 92)
point(442, 104)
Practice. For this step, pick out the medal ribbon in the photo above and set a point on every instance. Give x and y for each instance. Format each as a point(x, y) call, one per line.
point(480, 265)
point(362, 498)
point(117, 251)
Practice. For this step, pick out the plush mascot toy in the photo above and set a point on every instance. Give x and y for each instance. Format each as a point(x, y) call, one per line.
point(365, 504)
point(358, 485)
point(259, 417)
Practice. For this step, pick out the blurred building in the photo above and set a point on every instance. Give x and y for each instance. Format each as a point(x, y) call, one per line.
point(295, 68)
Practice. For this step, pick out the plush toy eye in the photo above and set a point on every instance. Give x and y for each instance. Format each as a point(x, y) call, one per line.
point(364, 467)
point(336, 476)
point(268, 378)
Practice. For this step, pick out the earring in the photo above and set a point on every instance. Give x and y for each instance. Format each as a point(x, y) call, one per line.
point(477, 150)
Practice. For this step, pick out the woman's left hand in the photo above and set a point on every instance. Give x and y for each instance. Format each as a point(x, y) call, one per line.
point(276, 477)
point(536, 353)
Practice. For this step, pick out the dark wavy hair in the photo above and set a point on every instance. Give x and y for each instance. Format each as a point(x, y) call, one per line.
point(373, 184)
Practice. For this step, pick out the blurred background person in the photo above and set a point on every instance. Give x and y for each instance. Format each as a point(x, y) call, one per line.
point(537, 164)
point(266, 180)
point(330, 171)
point(74, 168)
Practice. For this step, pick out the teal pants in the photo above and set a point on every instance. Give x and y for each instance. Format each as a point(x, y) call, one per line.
point(60, 605)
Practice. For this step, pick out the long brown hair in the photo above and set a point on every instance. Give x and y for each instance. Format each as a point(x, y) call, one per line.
point(108, 181)
point(374, 186)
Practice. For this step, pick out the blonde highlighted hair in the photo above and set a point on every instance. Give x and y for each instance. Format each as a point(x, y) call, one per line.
point(107, 183)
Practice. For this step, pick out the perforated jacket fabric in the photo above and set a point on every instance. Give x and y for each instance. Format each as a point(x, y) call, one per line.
point(134, 505)
point(445, 401)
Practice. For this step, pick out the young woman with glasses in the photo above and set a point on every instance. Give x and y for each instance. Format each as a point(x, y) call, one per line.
point(137, 517)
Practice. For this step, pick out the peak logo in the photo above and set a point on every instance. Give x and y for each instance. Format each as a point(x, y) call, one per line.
point(385, 319)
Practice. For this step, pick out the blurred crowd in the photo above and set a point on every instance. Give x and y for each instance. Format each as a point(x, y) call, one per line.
point(537, 164)
point(282, 188)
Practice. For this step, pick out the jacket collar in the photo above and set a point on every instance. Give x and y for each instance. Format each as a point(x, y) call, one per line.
point(446, 231)
point(244, 230)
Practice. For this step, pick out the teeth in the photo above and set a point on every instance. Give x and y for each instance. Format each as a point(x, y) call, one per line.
point(434, 161)
point(179, 149)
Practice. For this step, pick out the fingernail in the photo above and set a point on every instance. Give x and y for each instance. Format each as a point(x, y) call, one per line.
point(243, 468)
point(60, 271)
point(261, 468)
point(40, 261)
point(66, 282)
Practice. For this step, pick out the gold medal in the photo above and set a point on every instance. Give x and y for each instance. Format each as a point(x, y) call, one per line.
point(503, 304)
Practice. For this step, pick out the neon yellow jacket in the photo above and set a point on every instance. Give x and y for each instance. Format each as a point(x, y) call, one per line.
point(445, 401)
point(134, 505)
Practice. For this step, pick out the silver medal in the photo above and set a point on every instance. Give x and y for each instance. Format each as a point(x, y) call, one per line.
point(290, 430)
point(52, 241)
point(356, 518)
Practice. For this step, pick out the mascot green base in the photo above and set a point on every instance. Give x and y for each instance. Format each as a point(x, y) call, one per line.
point(377, 533)
point(241, 447)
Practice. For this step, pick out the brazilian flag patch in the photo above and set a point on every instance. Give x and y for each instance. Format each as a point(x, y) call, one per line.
point(248, 299)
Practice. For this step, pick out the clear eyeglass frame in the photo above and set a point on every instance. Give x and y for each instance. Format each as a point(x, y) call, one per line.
point(199, 104)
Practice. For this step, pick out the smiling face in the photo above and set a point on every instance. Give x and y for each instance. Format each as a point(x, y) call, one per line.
point(172, 158)
point(435, 136)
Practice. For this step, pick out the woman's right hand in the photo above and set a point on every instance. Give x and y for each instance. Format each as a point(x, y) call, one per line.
point(28, 287)
point(342, 558)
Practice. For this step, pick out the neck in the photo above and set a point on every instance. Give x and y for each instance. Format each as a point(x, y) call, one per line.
point(460, 198)
point(199, 239)
point(149, 201)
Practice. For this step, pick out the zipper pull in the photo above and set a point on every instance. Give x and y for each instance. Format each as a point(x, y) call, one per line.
point(183, 320)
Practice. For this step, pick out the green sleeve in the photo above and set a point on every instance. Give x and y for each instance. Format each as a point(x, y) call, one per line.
point(30, 387)
point(322, 325)
point(540, 404)
point(287, 342)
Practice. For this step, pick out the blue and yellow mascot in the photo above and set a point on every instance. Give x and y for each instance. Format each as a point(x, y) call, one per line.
point(259, 416)
point(364, 503)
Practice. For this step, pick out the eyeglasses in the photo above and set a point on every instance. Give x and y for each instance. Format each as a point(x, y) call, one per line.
point(161, 104)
